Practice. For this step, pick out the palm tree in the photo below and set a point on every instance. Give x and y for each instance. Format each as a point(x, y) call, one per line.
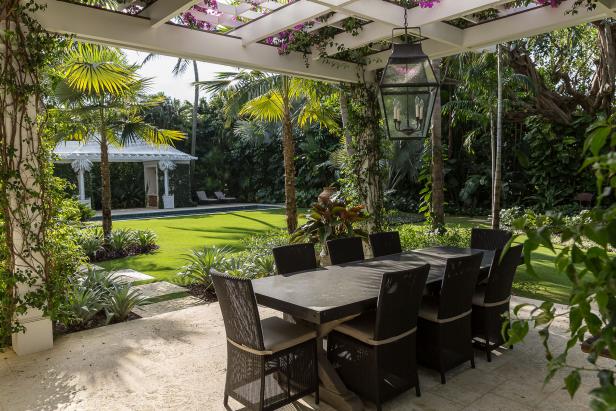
point(103, 96)
point(497, 183)
point(279, 99)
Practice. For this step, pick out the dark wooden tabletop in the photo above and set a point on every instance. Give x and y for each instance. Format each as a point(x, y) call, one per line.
point(339, 291)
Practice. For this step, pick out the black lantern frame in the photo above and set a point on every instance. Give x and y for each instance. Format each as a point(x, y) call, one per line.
point(408, 90)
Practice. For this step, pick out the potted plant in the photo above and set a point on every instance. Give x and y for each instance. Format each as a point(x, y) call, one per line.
point(330, 220)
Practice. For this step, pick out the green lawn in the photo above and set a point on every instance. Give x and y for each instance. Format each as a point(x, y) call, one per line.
point(176, 236)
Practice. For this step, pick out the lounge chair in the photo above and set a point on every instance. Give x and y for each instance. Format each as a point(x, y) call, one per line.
point(203, 199)
point(222, 197)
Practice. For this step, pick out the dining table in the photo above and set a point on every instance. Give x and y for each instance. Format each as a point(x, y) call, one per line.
point(326, 297)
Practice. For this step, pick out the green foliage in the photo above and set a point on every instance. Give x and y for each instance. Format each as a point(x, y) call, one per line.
point(413, 236)
point(145, 239)
point(122, 242)
point(121, 239)
point(590, 268)
point(95, 293)
point(121, 300)
point(331, 220)
point(199, 262)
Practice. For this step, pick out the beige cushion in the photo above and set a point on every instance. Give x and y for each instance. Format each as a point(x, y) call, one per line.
point(362, 328)
point(429, 311)
point(279, 334)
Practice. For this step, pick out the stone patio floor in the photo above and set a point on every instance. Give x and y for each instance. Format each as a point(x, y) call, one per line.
point(177, 360)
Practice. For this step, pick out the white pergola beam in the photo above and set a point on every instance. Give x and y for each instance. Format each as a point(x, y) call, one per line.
point(387, 15)
point(531, 23)
point(162, 11)
point(120, 30)
point(280, 20)
point(538, 21)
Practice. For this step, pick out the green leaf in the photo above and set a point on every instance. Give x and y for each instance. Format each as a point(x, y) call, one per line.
point(572, 382)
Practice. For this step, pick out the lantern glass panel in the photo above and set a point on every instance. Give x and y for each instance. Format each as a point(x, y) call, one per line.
point(415, 72)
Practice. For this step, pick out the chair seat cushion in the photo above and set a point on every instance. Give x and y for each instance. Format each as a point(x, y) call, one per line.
point(479, 298)
point(279, 334)
point(361, 328)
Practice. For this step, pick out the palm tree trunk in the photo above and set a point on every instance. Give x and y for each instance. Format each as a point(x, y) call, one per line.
point(105, 179)
point(288, 152)
point(498, 184)
point(344, 115)
point(193, 141)
point(438, 173)
point(492, 153)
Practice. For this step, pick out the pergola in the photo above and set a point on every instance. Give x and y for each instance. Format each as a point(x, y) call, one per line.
point(164, 157)
point(244, 34)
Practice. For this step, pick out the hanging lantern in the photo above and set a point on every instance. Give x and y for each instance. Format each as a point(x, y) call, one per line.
point(408, 90)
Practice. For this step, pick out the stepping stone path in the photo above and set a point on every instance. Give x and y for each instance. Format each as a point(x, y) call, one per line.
point(130, 276)
point(162, 307)
point(159, 289)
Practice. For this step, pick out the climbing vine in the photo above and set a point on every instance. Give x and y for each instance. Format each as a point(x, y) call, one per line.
point(35, 249)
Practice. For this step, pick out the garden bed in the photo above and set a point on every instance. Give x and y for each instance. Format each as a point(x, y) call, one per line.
point(202, 292)
point(99, 320)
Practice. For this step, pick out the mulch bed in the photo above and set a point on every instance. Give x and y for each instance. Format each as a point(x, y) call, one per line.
point(99, 320)
point(108, 254)
point(202, 292)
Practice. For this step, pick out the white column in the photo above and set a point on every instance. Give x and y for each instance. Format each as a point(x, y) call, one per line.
point(81, 166)
point(23, 213)
point(165, 166)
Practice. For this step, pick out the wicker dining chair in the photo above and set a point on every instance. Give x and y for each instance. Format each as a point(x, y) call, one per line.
point(375, 354)
point(270, 362)
point(295, 257)
point(385, 243)
point(444, 327)
point(488, 239)
point(345, 250)
point(491, 300)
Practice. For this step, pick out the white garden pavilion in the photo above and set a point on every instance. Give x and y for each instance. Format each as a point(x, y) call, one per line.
point(152, 26)
point(163, 157)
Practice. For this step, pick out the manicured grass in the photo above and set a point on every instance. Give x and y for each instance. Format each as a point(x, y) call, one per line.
point(178, 235)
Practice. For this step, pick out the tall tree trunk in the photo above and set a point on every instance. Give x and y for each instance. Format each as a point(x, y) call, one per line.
point(288, 152)
point(344, 115)
point(105, 179)
point(438, 173)
point(195, 110)
point(498, 184)
point(492, 153)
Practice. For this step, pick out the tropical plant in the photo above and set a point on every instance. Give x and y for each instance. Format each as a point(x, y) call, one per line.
point(101, 97)
point(200, 262)
point(82, 305)
point(590, 268)
point(330, 220)
point(121, 240)
point(121, 301)
point(145, 239)
point(278, 99)
point(91, 243)
point(413, 237)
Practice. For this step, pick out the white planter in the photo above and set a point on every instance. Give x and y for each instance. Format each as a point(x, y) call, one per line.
point(168, 202)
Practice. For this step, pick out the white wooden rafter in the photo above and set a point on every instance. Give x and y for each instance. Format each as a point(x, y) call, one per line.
point(161, 12)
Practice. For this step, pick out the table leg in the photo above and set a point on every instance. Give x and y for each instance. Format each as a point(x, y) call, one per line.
point(332, 389)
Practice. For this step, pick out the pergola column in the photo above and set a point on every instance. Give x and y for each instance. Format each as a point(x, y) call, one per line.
point(165, 166)
point(80, 167)
point(22, 210)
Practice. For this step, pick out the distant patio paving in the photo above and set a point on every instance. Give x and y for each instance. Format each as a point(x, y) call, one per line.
point(178, 361)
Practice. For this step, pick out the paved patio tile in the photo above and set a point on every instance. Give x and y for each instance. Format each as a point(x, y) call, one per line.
point(177, 360)
point(131, 276)
point(494, 402)
point(159, 289)
point(150, 310)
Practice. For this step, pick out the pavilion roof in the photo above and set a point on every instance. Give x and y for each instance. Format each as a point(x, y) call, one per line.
point(137, 151)
point(245, 33)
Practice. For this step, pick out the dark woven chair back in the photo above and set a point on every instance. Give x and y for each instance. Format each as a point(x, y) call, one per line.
point(293, 258)
point(399, 301)
point(502, 272)
point(458, 285)
point(239, 310)
point(385, 243)
point(487, 239)
point(345, 250)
